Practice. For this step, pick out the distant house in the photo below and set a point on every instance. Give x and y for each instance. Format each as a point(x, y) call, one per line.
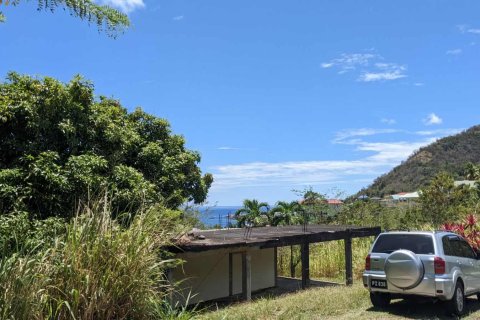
point(404, 196)
point(470, 183)
point(334, 202)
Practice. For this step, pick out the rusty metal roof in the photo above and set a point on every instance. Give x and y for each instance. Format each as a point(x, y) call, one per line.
point(267, 237)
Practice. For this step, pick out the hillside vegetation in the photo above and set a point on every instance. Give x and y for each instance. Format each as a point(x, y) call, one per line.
point(448, 154)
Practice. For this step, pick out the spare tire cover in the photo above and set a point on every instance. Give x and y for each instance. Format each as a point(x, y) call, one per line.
point(404, 269)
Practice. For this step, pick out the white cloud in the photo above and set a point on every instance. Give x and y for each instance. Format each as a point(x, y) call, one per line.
point(327, 65)
point(296, 173)
point(350, 61)
point(385, 71)
point(178, 18)
point(466, 29)
point(418, 84)
point(379, 157)
point(443, 132)
point(126, 6)
point(371, 66)
point(432, 119)
point(381, 76)
point(345, 136)
point(454, 52)
point(388, 121)
point(227, 148)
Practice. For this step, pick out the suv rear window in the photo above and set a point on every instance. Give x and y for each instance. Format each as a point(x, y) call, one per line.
point(417, 243)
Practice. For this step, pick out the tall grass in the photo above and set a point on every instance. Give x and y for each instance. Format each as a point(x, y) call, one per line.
point(96, 270)
point(327, 259)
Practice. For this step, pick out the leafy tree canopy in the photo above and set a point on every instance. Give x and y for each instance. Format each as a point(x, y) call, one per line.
point(58, 145)
point(106, 18)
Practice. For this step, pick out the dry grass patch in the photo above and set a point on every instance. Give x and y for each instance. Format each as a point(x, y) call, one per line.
point(338, 302)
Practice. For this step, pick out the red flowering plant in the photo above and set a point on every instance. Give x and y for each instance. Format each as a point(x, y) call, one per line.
point(468, 229)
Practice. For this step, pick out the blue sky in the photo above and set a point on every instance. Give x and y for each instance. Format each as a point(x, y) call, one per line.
point(275, 95)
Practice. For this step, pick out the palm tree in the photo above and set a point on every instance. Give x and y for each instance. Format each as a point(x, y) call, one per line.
point(251, 213)
point(284, 213)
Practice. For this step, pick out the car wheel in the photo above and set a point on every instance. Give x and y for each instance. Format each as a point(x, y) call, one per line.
point(457, 304)
point(380, 299)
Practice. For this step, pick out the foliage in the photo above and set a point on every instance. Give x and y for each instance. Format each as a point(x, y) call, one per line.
point(285, 213)
point(106, 18)
point(327, 259)
point(314, 206)
point(441, 201)
point(253, 213)
point(469, 229)
point(21, 235)
point(59, 145)
point(373, 213)
point(447, 154)
point(96, 270)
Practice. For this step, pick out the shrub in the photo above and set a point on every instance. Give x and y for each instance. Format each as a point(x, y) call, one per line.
point(468, 229)
point(96, 270)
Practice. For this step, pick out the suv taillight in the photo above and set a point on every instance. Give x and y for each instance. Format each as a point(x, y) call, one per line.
point(367, 262)
point(439, 265)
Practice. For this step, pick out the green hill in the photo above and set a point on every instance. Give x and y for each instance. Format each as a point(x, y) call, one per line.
point(449, 154)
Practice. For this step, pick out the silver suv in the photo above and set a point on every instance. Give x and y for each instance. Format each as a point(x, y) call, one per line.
point(440, 265)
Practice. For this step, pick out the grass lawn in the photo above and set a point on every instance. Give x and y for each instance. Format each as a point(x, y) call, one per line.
point(334, 303)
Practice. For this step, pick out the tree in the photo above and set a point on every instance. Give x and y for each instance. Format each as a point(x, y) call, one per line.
point(441, 201)
point(252, 213)
point(59, 145)
point(314, 205)
point(105, 17)
point(285, 213)
point(472, 171)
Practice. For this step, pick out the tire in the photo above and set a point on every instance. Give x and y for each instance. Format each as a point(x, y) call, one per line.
point(379, 299)
point(456, 305)
point(404, 269)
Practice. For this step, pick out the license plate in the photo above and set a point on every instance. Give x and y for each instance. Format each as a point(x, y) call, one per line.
point(382, 284)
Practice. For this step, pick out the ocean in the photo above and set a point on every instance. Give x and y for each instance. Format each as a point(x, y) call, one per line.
point(221, 215)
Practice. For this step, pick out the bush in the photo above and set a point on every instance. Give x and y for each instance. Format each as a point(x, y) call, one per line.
point(96, 270)
point(20, 235)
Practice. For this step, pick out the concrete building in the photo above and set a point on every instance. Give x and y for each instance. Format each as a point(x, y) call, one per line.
point(233, 263)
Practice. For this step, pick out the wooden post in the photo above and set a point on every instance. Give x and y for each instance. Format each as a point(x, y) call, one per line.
point(230, 274)
point(305, 252)
point(275, 265)
point(348, 259)
point(246, 276)
point(292, 265)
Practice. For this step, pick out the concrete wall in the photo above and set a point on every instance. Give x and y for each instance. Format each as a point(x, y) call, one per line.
point(206, 274)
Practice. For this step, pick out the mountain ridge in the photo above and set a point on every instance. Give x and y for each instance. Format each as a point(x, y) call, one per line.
point(450, 154)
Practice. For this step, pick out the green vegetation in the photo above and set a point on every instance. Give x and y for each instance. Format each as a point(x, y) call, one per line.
point(327, 259)
point(106, 18)
point(59, 146)
point(449, 154)
point(64, 255)
point(96, 269)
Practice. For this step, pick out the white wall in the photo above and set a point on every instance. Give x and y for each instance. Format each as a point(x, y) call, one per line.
point(206, 274)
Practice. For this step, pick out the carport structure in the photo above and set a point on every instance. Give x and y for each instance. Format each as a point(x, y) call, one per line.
point(227, 263)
